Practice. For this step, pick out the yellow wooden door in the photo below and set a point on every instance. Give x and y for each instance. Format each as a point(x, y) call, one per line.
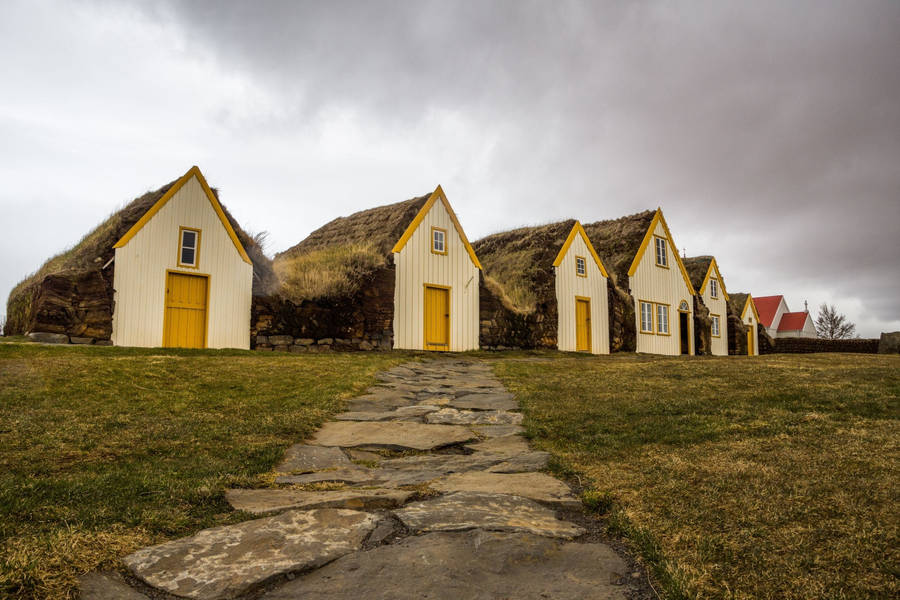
point(437, 318)
point(185, 320)
point(582, 325)
point(750, 341)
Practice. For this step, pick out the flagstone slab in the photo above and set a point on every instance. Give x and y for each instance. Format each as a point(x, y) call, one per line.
point(475, 565)
point(489, 401)
point(491, 512)
point(451, 416)
point(390, 434)
point(506, 444)
point(535, 486)
point(225, 562)
point(400, 414)
point(274, 500)
point(522, 463)
point(353, 474)
point(107, 585)
point(491, 431)
point(302, 458)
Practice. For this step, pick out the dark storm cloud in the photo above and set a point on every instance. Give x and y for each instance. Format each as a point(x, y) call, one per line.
point(769, 132)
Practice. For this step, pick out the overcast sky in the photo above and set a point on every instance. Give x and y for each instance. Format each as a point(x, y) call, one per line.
point(769, 132)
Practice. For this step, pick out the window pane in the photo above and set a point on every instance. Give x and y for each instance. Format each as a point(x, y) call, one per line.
point(661, 258)
point(646, 316)
point(189, 239)
point(580, 266)
point(662, 318)
point(187, 256)
point(438, 241)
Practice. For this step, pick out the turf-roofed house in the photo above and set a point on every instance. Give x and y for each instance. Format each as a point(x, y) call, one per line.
point(553, 270)
point(642, 260)
point(743, 305)
point(710, 287)
point(172, 268)
point(402, 275)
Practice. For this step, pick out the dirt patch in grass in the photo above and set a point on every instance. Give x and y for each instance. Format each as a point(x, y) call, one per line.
point(106, 450)
point(738, 477)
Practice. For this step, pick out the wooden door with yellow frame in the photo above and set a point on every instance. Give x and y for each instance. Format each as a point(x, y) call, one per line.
point(582, 324)
point(184, 325)
point(437, 317)
point(750, 332)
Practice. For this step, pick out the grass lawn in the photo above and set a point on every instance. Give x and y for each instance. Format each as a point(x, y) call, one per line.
point(106, 450)
point(734, 477)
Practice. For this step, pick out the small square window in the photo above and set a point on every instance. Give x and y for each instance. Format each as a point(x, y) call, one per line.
point(662, 256)
point(438, 240)
point(580, 266)
point(662, 319)
point(189, 247)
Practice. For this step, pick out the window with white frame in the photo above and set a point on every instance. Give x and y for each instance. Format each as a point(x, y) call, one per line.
point(438, 240)
point(713, 288)
point(715, 326)
point(662, 256)
point(189, 246)
point(580, 266)
point(662, 319)
point(646, 317)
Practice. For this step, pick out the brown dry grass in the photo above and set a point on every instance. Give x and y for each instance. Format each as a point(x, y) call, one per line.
point(739, 477)
point(330, 272)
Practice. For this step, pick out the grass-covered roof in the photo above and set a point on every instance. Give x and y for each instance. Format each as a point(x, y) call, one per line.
point(521, 261)
point(617, 242)
point(697, 267)
point(335, 259)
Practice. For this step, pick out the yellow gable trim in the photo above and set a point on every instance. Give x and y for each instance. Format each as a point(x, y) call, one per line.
point(657, 219)
point(420, 216)
point(578, 229)
point(714, 265)
point(752, 305)
point(192, 172)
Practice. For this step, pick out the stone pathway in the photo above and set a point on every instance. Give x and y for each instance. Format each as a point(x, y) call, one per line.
point(424, 488)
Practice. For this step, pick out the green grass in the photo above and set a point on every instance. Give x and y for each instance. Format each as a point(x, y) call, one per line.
point(759, 477)
point(106, 450)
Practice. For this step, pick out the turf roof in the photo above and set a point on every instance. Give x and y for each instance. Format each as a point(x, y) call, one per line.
point(521, 261)
point(697, 268)
point(617, 241)
point(335, 260)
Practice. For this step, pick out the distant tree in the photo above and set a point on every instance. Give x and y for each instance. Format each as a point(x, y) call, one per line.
point(832, 325)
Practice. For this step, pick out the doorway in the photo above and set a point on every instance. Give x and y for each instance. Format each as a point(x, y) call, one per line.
point(437, 318)
point(684, 332)
point(582, 325)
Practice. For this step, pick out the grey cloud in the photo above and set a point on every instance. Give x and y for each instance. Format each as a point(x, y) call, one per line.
point(777, 121)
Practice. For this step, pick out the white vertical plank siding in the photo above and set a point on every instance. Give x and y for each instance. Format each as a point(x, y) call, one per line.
point(657, 284)
point(140, 275)
point(416, 266)
point(719, 345)
point(569, 285)
point(750, 321)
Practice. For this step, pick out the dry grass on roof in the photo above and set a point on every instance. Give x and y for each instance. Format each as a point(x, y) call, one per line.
point(335, 260)
point(520, 262)
point(617, 242)
point(736, 302)
point(697, 267)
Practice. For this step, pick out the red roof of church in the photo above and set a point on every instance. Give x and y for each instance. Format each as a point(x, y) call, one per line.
point(767, 306)
point(793, 321)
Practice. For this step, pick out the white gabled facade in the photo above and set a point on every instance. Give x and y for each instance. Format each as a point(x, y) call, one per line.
point(750, 318)
point(418, 267)
point(150, 252)
point(581, 276)
point(714, 296)
point(666, 285)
